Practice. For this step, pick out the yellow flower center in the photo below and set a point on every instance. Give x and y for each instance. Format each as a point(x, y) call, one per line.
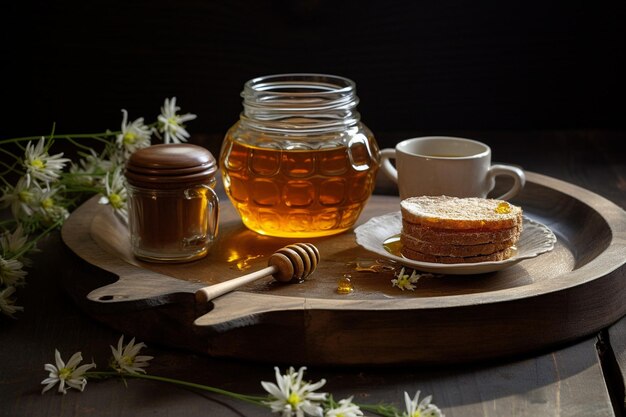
point(127, 360)
point(294, 399)
point(64, 373)
point(25, 196)
point(47, 203)
point(172, 121)
point(116, 201)
point(416, 414)
point(129, 138)
point(38, 164)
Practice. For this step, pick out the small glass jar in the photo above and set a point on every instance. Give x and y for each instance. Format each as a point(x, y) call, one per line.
point(173, 210)
point(299, 162)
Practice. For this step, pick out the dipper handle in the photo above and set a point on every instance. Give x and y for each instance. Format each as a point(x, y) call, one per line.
point(293, 263)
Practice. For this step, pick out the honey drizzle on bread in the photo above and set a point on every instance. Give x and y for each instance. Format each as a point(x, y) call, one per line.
point(443, 212)
point(444, 229)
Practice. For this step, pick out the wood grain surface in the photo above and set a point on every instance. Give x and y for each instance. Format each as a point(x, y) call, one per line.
point(562, 295)
point(572, 379)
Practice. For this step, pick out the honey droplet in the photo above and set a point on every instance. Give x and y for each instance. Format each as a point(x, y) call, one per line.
point(503, 208)
point(243, 263)
point(344, 285)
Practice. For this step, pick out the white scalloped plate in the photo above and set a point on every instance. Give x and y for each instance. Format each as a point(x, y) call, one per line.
point(377, 232)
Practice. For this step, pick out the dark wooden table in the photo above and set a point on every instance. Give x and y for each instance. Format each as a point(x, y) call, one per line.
point(581, 378)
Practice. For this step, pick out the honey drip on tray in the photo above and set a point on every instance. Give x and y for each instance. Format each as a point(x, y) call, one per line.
point(344, 284)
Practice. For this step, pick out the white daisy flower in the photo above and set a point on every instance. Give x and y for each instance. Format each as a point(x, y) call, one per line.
point(115, 193)
point(13, 243)
point(40, 165)
point(11, 272)
point(421, 409)
point(21, 198)
point(345, 408)
point(125, 359)
point(67, 376)
point(171, 124)
point(7, 302)
point(53, 214)
point(115, 157)
point(89, 166)
point(135, 135)
point(405, 281)
point(290, 396)
point(49, 208)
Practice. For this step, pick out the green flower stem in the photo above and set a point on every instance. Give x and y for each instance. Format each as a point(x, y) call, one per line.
point(72, 188)
point(9, 169)
point(246, 398)
point(380, 409)
point(100, 136)
point(31, 244)
point(80, 145)
point(384, 410)
point(11, 154)
point(5, 223)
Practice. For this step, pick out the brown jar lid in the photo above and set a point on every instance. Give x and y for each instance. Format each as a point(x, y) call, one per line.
point(170, 166)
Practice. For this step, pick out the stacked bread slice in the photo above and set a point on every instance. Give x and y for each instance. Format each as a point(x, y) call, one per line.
point(448, 230)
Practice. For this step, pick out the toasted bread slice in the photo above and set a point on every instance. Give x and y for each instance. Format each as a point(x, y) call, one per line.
point(459, 237)
point(423, 257)
point(434, 249)
point(443, 212)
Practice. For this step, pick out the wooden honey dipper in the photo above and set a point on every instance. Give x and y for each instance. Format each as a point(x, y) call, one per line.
point(291, 263)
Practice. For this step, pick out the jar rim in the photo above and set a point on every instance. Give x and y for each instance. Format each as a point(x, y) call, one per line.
point(316, 83)
point(306, 103)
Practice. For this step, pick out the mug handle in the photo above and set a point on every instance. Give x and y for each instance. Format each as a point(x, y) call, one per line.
point(386, 166)
point(519, 179)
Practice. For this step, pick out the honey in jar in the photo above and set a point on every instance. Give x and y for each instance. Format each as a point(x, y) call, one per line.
point(299, 162)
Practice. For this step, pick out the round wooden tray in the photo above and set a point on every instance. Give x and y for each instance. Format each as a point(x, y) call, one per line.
point(570, 292)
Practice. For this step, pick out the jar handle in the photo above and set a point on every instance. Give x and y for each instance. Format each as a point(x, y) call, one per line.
point(213, 210)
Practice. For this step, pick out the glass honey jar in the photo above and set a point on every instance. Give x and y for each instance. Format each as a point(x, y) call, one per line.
point(173, 210)
point(299, 162)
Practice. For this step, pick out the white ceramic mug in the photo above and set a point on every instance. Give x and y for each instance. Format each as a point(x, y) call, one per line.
point(443, 165)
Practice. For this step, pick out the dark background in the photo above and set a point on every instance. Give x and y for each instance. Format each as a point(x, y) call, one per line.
point(420, 66)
